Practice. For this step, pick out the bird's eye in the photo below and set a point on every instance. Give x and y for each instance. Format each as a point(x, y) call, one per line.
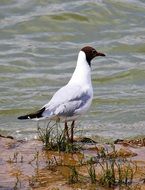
point(94, 51)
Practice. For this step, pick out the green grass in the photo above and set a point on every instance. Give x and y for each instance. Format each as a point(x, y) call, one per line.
point(74, 175)
point(110, 171)
point(91, 171)
point(104, 169)
point(54, 138)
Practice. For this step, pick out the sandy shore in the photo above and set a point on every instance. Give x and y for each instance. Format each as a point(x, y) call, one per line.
point(26, 165)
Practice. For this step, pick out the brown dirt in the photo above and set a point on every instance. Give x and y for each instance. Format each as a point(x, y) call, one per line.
point(26, 165)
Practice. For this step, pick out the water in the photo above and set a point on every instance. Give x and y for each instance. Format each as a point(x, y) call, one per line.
point(39, 43)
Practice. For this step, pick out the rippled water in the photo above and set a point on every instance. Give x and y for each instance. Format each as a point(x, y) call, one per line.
point(39, 43)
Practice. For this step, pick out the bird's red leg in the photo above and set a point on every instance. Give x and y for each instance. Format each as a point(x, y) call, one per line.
point(72, 132)
point(66, 130)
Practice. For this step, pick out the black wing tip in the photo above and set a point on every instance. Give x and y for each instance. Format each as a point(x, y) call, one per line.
point(35, 115)
point(23, 117)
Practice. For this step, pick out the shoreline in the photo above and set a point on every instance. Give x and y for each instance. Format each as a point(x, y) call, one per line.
point(25, 164)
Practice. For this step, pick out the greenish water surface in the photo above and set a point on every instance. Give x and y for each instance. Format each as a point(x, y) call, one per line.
point(39, 43)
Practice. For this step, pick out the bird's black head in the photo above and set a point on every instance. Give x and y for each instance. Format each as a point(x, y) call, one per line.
point(91, 53)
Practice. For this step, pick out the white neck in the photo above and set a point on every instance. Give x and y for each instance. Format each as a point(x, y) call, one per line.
point(82, 73)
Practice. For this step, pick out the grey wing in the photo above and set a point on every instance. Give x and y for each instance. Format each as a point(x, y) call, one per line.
point(73, 106)
point(67, 101)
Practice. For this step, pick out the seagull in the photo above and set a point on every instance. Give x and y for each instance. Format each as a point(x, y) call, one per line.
point(72, 100)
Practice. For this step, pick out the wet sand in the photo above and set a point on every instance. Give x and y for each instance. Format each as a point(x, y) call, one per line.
point(26, 165)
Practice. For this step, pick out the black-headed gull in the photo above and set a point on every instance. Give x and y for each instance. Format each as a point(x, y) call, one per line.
point(73, 99)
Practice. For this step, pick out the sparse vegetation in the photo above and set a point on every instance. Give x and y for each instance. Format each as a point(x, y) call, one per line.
point(74, 175)
point(107, 171)
point(54, 138)
point(18, 182)
point(114, 171)
point(91, 171)
point(106, 167)
point(16, 158)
